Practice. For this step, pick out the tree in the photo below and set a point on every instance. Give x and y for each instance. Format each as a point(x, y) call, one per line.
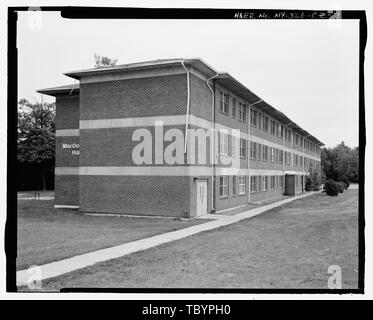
point(339, 161)
point(104, 62)
point(36, 136)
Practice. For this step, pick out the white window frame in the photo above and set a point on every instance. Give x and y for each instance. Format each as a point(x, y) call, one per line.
point(253, 184)
point(223, 143)
point(224, 186)
point(272, 154)
point(265, 183)
point(273, 186)
point(242, 148)
point(242, 112)
point(253, 150)
point(241, 185)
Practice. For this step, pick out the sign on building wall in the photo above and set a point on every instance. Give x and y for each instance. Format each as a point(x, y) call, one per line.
point(73, 146)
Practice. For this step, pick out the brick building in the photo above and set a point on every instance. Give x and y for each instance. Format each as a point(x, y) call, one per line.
point(173, 137)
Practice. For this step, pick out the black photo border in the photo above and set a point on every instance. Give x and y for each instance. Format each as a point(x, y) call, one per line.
point(170, 13)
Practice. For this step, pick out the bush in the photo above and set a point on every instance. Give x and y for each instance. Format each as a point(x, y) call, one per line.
point(312, 182)
point(345, 180)
point(331, 188)
point(341, 186)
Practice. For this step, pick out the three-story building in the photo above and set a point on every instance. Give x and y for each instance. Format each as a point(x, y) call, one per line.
point(173, 137)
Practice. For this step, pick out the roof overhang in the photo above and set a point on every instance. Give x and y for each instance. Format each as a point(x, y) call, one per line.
point(196, 63)
point(231, 84)
point(69, 89)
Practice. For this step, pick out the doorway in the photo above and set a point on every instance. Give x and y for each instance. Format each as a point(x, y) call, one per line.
point(201, 198)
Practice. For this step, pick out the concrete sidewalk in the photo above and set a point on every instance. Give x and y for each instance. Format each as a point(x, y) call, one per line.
point(61, 267)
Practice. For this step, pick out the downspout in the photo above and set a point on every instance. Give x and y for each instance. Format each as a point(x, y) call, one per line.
point(188, 107)
point(249, 149)
point(212, 147)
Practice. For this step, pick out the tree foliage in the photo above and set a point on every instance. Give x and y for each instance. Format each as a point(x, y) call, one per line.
point(103, 62)
point(340, 161)
point(36, 137)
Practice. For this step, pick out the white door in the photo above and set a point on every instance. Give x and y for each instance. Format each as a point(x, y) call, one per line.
point(201, 198)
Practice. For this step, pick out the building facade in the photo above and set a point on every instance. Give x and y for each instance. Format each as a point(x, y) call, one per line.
point(173, 138)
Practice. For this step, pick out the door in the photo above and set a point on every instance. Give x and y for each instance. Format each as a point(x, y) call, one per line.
point(201, 198)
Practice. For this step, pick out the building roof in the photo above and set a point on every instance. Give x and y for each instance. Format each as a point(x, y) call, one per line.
point(55, 91)
point(223, 78)
point(197, 63)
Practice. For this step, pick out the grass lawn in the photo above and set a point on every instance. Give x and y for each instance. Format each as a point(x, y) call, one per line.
point(287, 247)
point(46, 234)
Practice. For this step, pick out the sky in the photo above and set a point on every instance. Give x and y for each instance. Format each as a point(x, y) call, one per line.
point(307, 69)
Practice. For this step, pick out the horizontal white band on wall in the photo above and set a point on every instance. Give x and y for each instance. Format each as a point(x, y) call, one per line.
point(131, 122)
point(67, 133)
point(69, 171)
point(174, 171)
point(179, 120)
point(65, 206)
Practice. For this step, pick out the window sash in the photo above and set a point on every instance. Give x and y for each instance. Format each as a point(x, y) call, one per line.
point(223, 143)
point(252, 150)
point(234, 189)
point(242, 148)
point(265, 183)
point(223, 184)
point(241, 185)
point(253, 184)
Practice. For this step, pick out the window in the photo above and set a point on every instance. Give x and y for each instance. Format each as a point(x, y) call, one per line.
point(253, 184)
point(265, 124)
point(223, 143)
point(272, 150)
point(241, 185)
point(259, 153)
point(295, 159)
point(234, 140)
point(296, 139)
point(272, 182)
point(242, 112)
point(253, 114)
point(234, 182)
point(234, 108)
point(226, 104)
point(259, 183)
point(265, 153)
point(281, 156)
point(252, 150)
point(223, 184)
point(276, 156)
point(265, 183)
point(223, 102)
point(280, 182)
point(259, 120)
point(242, 148)
point(277, 129)
point(281, 130)
point(273, 127)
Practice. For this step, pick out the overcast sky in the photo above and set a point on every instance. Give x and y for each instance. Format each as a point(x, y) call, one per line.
point(307, 69)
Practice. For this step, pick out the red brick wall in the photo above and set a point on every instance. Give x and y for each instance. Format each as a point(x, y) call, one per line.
point(142, 195)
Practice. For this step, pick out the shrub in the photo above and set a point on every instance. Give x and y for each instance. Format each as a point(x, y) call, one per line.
point(312, 181)
point(331, 188)
point(308, 185)
point(341, 186)
point(345, 180)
